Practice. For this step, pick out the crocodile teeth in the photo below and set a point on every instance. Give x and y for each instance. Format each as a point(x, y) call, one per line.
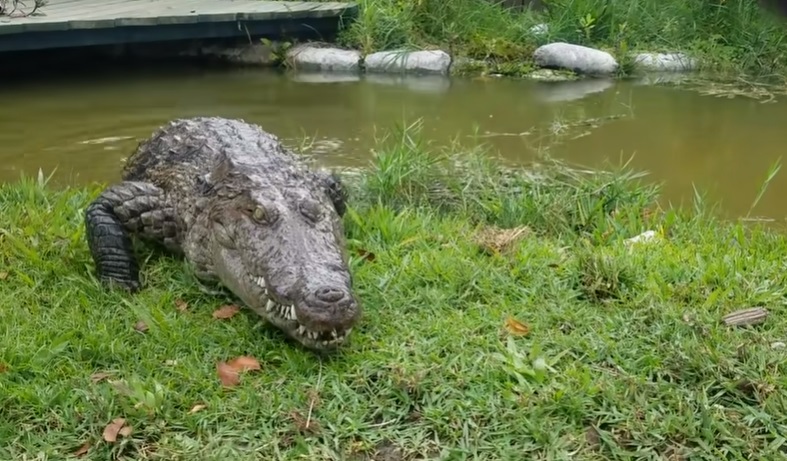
point(334, 334)
point(260, 281)
point(293, 316)
point(270, 305)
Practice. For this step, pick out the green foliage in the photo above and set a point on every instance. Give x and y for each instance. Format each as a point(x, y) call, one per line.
point(624, 354)
point(727, 35)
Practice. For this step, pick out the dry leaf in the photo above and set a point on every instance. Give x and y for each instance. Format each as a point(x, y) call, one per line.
point(181, 305)
point(82, 451)
point(515, 327)
point(229, 372)
point(98, 377)
point(227, 375)
point(141, 326)
point(197, 408)
point(125, 431)
point(3, 275)
point(226, 312)
point(244, 363)
point(113, 429)
point(495, 240)
point(367, 255)
point(3, 367)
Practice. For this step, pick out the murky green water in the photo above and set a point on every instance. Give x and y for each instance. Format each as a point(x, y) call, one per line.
point(84, 125)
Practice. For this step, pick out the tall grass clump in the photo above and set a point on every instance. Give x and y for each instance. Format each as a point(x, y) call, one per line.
point(509, 313)
point(727, 35)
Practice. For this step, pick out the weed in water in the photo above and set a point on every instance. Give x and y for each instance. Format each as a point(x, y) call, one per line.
point(572, 342)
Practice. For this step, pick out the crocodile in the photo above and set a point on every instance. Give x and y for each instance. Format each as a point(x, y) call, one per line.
point(247, 216)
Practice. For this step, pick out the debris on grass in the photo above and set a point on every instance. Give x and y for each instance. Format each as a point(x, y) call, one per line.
point(229, 372)
point(745, 317)
point(117, 427)
point(141, 326)
point(516, 328)
point(82, 451)
point(181, 305)
point(226, 312)
point(196, 408)
point(494, 240)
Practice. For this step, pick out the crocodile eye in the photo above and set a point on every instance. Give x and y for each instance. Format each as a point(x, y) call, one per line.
point(258, 214)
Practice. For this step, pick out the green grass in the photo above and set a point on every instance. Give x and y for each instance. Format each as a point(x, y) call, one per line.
point(729, 36)
point(625, 358)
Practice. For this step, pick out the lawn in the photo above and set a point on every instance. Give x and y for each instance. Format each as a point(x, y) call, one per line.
point(506, 316)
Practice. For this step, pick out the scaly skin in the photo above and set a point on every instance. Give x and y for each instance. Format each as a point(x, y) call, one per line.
point(239, 207)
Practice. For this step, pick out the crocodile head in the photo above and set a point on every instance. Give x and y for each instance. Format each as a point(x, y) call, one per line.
point(281, 249)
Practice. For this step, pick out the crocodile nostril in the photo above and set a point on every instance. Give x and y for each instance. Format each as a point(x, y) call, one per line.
point(329, 295)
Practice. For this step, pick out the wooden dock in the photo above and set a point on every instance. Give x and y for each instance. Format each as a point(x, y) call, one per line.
point(70, 23)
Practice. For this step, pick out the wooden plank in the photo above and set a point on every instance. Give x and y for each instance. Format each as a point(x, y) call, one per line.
point(61, 15)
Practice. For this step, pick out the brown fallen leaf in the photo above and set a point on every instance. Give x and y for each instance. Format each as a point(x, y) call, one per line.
point(3, 275)
point(244, 363)
point(227, 375)
point(226, 312)
point(82, 451)
point(515, 327)
point(197, 408)
point(98, 377)
point(3, 367)
point(229, 372)
point(115, 428)
point(181, 305)
point(125, 431)
point(141, 326)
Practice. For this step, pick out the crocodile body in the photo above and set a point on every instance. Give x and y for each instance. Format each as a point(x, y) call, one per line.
point(245, 213)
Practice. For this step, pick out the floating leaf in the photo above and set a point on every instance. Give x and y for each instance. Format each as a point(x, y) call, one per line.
point(515, 327)
point(226, 312)
point(115, 428)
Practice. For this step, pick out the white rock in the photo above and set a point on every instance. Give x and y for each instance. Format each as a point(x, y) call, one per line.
point(539, 29)
point(578, 58)
point(414, 62)
point(665, 62)
point(310, 58)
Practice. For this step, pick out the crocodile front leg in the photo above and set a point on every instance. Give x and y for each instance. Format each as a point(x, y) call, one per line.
point(121, 210)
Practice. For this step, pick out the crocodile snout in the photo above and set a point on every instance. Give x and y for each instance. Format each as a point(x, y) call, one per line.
point(330, 295)
point(330, 307)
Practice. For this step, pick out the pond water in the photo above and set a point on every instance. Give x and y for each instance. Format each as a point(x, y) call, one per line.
point(84, 124)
